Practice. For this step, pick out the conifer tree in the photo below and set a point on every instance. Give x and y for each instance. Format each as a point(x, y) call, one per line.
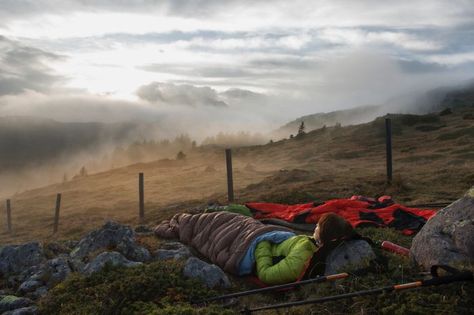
point(301, 129)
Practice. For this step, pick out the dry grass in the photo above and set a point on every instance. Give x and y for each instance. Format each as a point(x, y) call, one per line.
point(430, 165)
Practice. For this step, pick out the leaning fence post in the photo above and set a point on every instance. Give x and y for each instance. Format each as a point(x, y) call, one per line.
point(141, 196)
point(56, 213)
point(230, 181)
point(9, 216)
point(388, 142)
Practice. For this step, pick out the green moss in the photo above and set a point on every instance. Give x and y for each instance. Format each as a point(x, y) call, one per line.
point(146, 289)
point(470, 193)
point(139, 308)
point(8, 299)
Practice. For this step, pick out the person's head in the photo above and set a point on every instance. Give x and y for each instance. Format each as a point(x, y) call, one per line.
point(332, 226)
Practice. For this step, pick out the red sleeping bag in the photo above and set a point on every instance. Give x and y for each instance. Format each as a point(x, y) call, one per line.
point(359, 211)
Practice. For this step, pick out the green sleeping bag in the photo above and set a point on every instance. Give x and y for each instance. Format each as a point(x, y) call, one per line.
point(297, 252)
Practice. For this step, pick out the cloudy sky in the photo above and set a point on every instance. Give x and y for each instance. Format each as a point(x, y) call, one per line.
point(258, 62)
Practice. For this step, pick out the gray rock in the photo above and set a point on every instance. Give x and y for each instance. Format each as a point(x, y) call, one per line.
point(29, 286)
point(173, 245)
point(172, 250)
point(32, 310)
point(163, 254)
point(11, 302)
point(111, 236)
point(211, 275)
point(112, 258)
point(47, 274)
point(15, 258)
point(448, 237)
point(350, 255)
point(57, 269)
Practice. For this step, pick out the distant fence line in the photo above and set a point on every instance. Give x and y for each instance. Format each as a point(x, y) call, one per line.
point(230, 184)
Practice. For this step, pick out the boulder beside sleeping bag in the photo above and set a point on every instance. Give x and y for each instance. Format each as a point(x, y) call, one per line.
point(297, 252)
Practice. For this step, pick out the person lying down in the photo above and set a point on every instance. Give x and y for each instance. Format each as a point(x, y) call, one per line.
point(242, 246)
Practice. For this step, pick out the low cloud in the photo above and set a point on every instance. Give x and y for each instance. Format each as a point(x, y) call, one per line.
point(181, 95)
point(75, 107)
point(241, 94)
point(25, 68)
point(360, 38)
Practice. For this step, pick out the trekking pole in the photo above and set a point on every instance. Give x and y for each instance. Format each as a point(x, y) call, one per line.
point(394, 248)
point(436, 280)
point(276, 287)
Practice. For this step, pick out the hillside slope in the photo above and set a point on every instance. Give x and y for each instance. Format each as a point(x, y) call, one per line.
point(430, 101)
point(344, 117)
point(433, 162)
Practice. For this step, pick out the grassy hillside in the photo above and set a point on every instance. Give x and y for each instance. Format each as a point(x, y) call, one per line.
point(344, 117)
point(433, 162)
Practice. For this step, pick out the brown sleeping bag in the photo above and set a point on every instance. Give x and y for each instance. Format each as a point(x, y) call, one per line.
point(222, 237)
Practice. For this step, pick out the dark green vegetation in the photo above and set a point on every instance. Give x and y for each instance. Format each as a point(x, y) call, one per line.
point(157, 288)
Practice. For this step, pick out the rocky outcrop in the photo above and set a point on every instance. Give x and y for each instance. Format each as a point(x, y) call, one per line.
point(351, 255)
point(11, 302)
point(211, 275)
point(114, 236)
point(448, 237)
point(16, 258)
point(28, 273)
point(45, 276)
point(110, 258)
point(31, 310)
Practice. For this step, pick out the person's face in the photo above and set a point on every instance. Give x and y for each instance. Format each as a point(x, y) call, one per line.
point(316, 234)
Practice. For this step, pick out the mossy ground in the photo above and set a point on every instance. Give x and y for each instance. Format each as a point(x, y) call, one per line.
point(156, 288)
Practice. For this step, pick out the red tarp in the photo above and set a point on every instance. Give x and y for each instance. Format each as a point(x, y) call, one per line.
point(357, 210)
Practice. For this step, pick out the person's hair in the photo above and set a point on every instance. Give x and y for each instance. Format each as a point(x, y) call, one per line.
point(334, 227)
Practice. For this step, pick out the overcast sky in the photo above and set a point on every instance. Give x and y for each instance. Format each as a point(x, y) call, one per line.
point(259, 62)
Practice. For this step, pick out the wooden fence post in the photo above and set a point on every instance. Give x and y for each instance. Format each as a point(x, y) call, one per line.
point(9, 216)
point(141, 196)
point(388, 143)
point(56, 213)
point(230, 181)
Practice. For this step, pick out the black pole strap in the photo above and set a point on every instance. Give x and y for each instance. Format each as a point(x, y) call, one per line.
point(276, 287)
